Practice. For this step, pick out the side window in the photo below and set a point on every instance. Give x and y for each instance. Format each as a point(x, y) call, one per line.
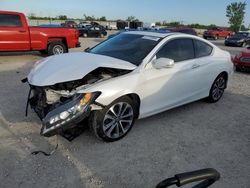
point(202, 49)
point(177, 49)
point(10, 20)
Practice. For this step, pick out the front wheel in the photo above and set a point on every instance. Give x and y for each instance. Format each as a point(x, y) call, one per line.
point(217, 88)
point(115, 120)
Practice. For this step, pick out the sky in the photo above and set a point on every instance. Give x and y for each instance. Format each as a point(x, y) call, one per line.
point(186, 11)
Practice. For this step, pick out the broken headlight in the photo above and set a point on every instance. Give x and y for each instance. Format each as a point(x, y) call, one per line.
point(72, 111)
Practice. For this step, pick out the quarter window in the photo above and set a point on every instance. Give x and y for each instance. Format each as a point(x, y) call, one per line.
point(178, 50)
point(202, 49)
point(10, 20)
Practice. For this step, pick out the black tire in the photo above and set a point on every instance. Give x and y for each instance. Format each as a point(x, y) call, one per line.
point(57, 47)
point(98, 119)
point(217, 88)
point(237, 69)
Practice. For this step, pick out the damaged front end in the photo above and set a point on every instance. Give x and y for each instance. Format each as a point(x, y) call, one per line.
point(61, 107)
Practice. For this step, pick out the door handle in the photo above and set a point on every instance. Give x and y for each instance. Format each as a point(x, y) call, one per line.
point(22, 31)
point(195, 66)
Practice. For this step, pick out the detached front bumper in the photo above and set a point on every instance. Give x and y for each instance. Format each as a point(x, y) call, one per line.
point(64, 116)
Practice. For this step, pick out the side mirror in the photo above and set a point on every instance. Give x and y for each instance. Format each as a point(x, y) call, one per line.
point(163, 63)
point(87, 49)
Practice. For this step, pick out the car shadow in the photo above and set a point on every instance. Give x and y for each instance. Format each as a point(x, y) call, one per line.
point(35, 53)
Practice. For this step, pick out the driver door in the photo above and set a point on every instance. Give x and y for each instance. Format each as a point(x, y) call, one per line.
point(169, 87)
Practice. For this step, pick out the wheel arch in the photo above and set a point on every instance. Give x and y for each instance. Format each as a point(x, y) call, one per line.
point(226, 76)
point(135, 98)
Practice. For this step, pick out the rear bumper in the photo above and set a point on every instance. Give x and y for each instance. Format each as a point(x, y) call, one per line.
point(238, 63)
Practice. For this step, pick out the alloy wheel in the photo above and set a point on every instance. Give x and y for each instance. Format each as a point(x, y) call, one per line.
point(118, 120)
point(218, 88)
point(57, 49)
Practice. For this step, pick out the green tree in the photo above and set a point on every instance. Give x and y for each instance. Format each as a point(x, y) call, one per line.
point(236, 13)
point(103, 18)
point(175, 24)
point(32, 16)
point(131, 19)
point(158, 23)
point(89, 18)
point(62, 17)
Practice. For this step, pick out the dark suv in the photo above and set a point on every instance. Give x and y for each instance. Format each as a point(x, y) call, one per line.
point(93, 31)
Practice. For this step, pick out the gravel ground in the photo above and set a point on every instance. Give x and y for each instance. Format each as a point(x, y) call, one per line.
point(194, 136)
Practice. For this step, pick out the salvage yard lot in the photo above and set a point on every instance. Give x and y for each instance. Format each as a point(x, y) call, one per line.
point(194, 136)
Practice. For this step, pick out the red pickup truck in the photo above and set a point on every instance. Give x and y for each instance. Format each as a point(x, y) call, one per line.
point(16, 35)
point(216, 33)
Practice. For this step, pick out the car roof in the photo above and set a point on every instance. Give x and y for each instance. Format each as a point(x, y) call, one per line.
point(161, 34)
point(9, 12)
point(150, 33)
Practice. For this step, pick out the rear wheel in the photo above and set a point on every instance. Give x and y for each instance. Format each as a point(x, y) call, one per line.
point(217, 88)
point(114, 121)
point(56, 48)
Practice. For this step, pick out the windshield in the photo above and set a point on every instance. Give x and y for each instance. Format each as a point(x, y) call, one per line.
point(128, 47)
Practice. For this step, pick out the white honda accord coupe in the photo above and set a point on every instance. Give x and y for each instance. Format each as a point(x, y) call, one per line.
point(133, 75)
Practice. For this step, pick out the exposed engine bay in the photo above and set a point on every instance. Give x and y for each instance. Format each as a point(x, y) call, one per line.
point(44, 99)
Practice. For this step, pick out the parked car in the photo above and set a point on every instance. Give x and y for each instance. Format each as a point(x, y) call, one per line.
point(242, 60)
point(216, 33)
point(69, 23)
point(16, 35)
point(186, 30)
point(241, 39)
point(131, 76)
point(84, 25)
point(93, 31)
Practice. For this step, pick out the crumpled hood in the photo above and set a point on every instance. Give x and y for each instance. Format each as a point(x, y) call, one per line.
point(71, 66)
